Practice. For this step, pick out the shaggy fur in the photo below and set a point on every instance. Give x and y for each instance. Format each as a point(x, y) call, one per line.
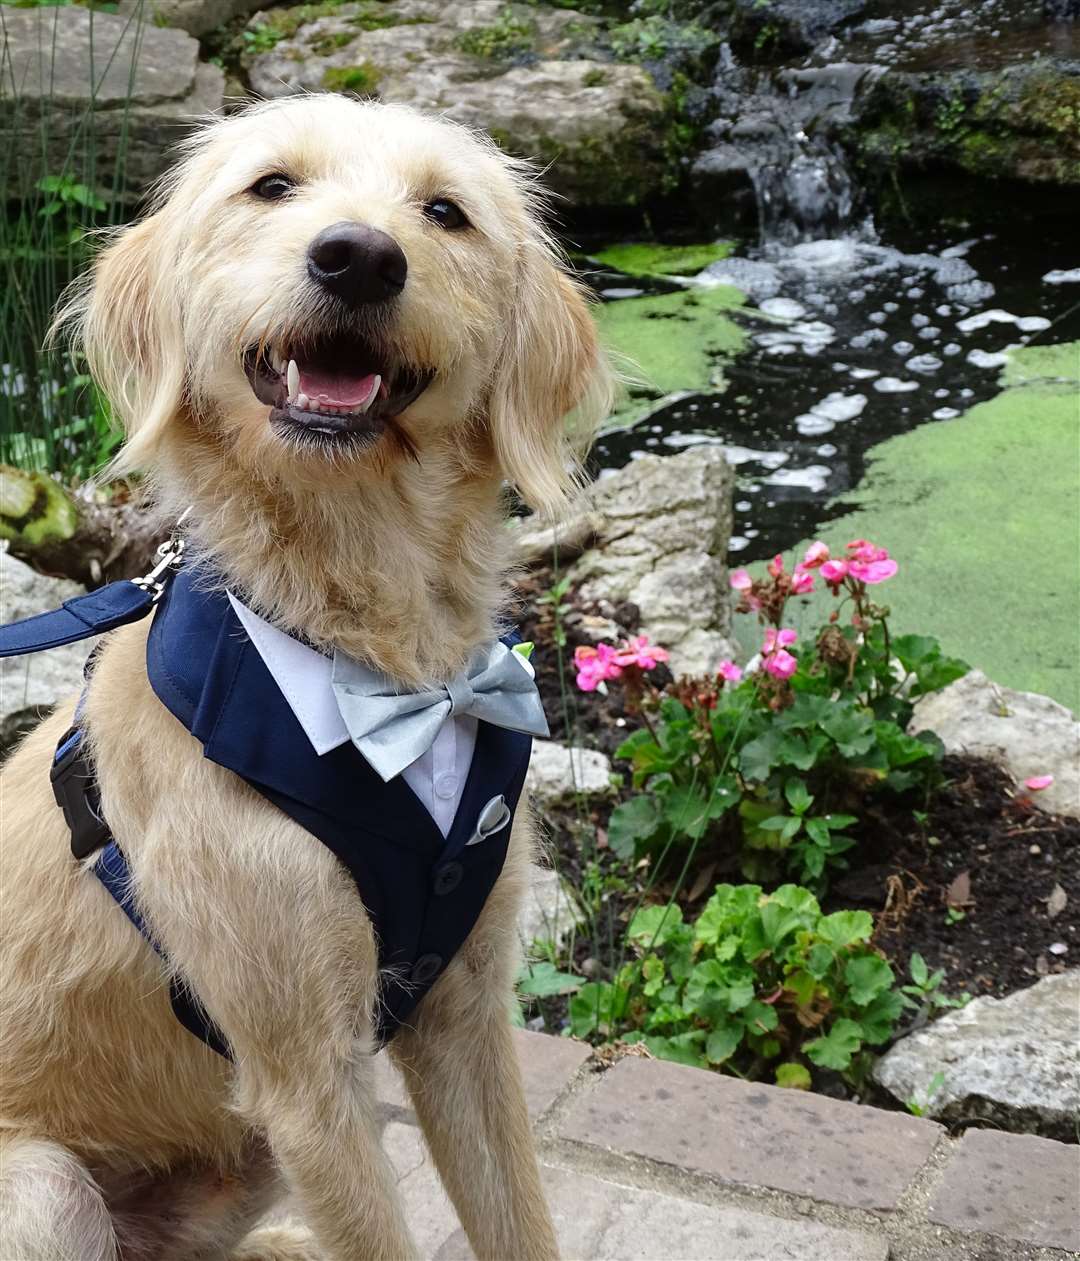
point(121, 1135)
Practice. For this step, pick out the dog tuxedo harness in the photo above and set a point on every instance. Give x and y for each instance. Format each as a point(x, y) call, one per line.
point(423, 873)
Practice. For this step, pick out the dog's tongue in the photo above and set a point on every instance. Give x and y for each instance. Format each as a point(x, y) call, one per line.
point(338, 389)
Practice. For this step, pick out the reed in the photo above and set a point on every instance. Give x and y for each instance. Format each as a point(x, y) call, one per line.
point(51, 416)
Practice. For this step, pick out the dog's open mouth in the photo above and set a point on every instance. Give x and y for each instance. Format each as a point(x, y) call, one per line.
point(338, 388)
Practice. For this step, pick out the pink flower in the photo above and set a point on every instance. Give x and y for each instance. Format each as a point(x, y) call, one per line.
point(639, 652)
point(874, 571)
point(776, 565)
point(781, 664)
point(594, 665)
point(802, 582)
point(778, 638)
point(1038, 782)
point(729, 671)
point(740, 580)
point(816, 554)
point(834, 572)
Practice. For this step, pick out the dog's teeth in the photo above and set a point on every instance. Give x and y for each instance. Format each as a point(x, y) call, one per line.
point(376, 383)
point(303, 402)
point(292, 379)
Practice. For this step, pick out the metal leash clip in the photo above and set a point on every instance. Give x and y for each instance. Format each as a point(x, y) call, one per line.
point(167, 559)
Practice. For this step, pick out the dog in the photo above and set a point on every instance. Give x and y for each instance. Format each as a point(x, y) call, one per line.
point(400, 264)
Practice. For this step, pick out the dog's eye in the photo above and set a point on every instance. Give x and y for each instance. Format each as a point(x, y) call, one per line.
point(272, 187)
point(446, 214)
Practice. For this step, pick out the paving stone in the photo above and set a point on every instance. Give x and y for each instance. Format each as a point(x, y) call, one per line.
point(755, 1135)
point(607, 1222)
point(547, 1065)
point(1016, 1185)
point(428, 1210)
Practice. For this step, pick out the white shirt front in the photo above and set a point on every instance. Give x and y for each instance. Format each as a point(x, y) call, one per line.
point(304, 677)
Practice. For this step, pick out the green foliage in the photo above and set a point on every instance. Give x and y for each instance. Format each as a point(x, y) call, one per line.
point(507, 37)
point(778, 769)
point(658, 38)
point(52, 419)
point(759, 985)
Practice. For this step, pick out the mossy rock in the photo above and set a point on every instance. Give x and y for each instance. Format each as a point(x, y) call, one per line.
point(34, 509)
point(649, 258)
point(1019, 123)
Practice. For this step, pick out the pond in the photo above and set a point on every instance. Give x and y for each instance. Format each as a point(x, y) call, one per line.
point(852, 339)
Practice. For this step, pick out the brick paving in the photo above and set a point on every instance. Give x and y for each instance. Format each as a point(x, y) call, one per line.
point(657, 1162)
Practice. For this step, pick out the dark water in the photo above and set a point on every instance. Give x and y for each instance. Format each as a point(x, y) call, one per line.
point(884, 343)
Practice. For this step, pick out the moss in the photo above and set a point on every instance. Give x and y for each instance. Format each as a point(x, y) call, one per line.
point(34, 509)
point(595, 78)
point(675, 341)
point(359, 80)
point(647, 258)
point(1004, 598)
point(326, 43)
point(507, 37)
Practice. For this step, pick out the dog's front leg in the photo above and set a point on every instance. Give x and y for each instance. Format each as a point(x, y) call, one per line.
point(461, 1070)
point(266, 926)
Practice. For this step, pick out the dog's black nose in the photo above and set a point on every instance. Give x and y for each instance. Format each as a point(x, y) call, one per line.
point(357, 264)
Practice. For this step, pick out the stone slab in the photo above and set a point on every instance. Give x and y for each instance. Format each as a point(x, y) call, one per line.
point(1016, 1185)
point(608, 1222)
point(547, 1065)
point(754, 1135)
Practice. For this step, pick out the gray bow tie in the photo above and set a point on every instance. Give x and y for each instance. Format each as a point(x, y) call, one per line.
point(392, 729)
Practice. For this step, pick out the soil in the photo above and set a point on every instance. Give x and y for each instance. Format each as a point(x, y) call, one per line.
point(985, 884)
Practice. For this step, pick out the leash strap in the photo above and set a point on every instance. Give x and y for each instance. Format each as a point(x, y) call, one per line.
point(81, 617)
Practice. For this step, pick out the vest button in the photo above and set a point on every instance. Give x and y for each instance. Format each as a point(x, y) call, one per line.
point(425, 969)
point(447, 879)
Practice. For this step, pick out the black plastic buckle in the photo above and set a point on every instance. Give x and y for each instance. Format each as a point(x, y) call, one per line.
point(76, 793)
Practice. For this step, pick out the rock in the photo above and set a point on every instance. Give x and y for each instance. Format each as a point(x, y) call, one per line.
point(548, 912)
point(1014, 1061)
point(769, 27)
point(1018, 122)
point(32, 685)
point(197, 17)
point(146, 111)
point(664, 540)
point(557, 773)
point(1023, 732)
point(516, 70)
point(536, 543)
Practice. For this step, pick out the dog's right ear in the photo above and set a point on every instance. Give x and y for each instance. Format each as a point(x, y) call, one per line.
point(128, 328)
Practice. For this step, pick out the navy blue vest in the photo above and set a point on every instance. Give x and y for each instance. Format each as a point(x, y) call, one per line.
point(422, 891)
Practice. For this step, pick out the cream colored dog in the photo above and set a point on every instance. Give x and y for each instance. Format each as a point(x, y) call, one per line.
point(378, 531)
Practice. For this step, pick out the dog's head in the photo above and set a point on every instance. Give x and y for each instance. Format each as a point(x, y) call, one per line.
point(327, 285)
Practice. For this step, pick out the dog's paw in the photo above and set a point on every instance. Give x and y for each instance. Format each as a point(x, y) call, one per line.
point(279, 1243)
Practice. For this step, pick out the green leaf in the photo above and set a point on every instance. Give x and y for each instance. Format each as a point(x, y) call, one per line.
point(723, 1042)
point(793, 1076)
point(687, 810)
point(852, 731)
point(758, 757)
point(867, 976)
point(762, 1017)
point(878, 1019)
point(818, 831)
point(632, 823)
point(683, 1048)
point(836, 1048)
point(919, 971)
point(798, 796)
point(819, 959)
point(805, 712)
point(776, 823)
point(802, 751)
point(845, 928)
point(593, 1008)
point(542, 980)
point(654, 925)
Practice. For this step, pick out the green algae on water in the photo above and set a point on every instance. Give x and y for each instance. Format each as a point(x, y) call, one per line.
point(675, 342)
point(647, 258)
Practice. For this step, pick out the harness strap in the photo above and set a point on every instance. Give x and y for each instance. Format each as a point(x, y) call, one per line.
point(76, 791)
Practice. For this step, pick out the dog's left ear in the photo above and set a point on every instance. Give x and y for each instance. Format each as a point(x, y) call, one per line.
point(553, 385)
